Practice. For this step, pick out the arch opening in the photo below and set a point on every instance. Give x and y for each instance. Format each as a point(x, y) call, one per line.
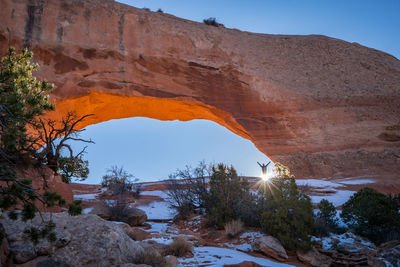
point(114, 112)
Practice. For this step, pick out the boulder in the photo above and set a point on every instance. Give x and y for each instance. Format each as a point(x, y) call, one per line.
point(314, 258)
point(134, 216)
point(101, 210)
point(80, 241)
point(131, 215)
point(387, 253)
point(270, 246)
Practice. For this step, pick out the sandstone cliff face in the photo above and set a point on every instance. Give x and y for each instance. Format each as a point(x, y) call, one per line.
point(322, 106)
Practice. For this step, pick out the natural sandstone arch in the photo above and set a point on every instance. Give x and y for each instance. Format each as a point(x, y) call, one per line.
point(323, 106)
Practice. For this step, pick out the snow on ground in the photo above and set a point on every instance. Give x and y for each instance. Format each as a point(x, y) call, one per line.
point(158, 210)
point(85, 196)
point(157, 227)
point(157, 193)
point(242, 247)
point(87, 210)
point(338, 198)
point(330, 242)
point(317, 183)
point(356, 182)
point(251, 235)
point(218, 257)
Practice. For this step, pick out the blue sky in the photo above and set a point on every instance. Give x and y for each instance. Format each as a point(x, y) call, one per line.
point(152, 149)
point(373, 23)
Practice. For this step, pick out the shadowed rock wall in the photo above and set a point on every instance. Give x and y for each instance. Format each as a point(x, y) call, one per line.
point(320, 105)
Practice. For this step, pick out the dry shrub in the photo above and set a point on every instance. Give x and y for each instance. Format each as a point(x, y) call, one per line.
point(179, 247)
point(151, 257)
point(233, 228)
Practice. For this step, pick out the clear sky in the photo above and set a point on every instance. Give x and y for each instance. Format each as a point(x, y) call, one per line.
point(152, 149)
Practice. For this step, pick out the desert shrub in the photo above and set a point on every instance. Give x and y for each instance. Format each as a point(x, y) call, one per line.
point(212, 22)
point(373, 215)
point(118, 209)
point(179, 247)
point(120, 182)
point(226, 196)
point(150, 257)
point(187, 189)
point(287, 212)
point(325, 220)
point(75, 208)
point(233, 228)
point(160, 10)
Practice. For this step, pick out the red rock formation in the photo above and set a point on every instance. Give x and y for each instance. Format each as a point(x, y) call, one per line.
point(44, 179)
point(322, 106)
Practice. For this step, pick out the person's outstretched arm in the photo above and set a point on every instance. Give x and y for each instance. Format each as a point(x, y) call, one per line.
point(259, 164)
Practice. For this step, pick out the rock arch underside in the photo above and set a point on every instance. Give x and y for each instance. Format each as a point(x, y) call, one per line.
point(322, 106)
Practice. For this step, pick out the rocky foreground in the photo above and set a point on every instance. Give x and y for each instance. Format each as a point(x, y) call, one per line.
point(88, 240)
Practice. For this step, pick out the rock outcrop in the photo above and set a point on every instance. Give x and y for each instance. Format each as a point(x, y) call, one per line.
point(81, 240)
point(314, 258)
point(44, 179)
point(387, 254)
point(322, 106)
point(270, 246)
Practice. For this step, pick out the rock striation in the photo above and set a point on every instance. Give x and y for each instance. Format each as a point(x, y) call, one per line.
point(322, 106)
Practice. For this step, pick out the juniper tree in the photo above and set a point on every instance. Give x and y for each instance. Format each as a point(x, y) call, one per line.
point(287, 212)
point(226, 195)
point(373, 215)
point(325, 219)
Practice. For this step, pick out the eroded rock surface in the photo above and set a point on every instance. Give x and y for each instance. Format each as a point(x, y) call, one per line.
point(85, 240)
point(270, 246)
point(322, 106)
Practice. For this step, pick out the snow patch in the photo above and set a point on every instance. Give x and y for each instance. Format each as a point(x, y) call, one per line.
point(87, 210)
point(317, 183)
point(218, 257)
point(338, 198)
point(356, 182)
point(85, 196)
point(158, 210)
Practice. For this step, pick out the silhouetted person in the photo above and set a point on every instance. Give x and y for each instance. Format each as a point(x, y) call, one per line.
point(264, 167)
